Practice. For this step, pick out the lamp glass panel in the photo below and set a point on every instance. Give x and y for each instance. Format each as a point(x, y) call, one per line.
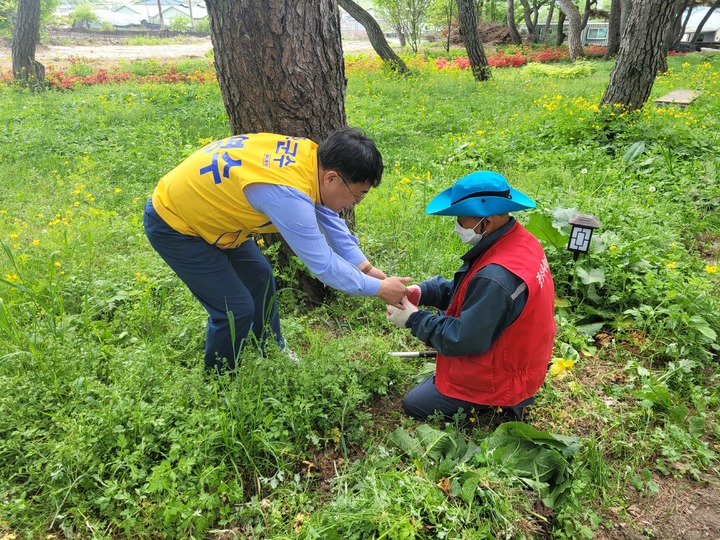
point(580, 239)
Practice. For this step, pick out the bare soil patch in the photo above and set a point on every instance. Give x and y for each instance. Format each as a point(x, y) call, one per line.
point(197, 48)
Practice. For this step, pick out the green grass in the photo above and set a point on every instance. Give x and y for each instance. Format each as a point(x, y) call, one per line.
point(110, 429)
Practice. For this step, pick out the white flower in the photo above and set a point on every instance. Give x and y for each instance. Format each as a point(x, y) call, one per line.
point(583, 171)
point(652, 189)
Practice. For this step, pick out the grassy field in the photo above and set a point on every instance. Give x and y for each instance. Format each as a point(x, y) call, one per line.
point(109, 428)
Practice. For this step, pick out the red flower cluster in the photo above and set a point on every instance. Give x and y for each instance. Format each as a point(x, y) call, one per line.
point(520, 55)
point(66, 78)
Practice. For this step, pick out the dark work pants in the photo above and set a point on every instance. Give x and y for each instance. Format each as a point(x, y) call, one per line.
point(235, 286)
point(425, 399)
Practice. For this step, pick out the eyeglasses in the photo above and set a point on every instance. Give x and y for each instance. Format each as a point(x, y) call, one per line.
point(357, 198)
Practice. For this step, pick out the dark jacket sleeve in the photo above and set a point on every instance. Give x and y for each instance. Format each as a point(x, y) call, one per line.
point(494, 299)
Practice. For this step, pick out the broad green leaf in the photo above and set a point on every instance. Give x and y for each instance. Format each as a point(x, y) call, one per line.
point(634, 152)
point(595, 275)
point(437, 444)
point(541, 226)
point(405, 442)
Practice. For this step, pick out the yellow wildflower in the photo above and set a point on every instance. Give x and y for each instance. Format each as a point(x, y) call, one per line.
point(560, 367)
point(711, 269)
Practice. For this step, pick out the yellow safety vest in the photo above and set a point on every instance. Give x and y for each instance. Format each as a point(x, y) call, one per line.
point(203, 196)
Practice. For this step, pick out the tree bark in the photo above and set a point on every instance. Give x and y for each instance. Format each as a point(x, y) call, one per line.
point(280, 69)
point(26, 35)
point(641, 54)
point(375, 35)
point(514, 34)
point(471, 38)
point(575, 49)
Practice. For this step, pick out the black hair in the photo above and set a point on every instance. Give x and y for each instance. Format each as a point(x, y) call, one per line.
point(353, 155)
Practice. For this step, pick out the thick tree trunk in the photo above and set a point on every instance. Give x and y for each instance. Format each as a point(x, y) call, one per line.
point(514, 34)
point(375, 35)
point(280, 68)
point(471, 38)
point(575, 49)
point(26, 35)
point(641, 54)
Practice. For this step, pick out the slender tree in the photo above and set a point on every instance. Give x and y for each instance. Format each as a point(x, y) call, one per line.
point(529, 22)
point(561, 29)
point(26, 35)
point(548, 21)
point(161, 22)
point(642, 54)
point(575, 49)
point(375, 35)
point(280, 69)
point(510, 15)
point(614, 29)
point(471, 38)
point(706, 17)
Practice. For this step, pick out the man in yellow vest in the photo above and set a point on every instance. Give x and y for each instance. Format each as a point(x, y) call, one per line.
point(204, 214)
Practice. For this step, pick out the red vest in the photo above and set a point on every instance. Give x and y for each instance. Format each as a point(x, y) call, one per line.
point(514, 367)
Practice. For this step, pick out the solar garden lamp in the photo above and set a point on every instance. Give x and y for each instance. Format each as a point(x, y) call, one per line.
point(581, 233)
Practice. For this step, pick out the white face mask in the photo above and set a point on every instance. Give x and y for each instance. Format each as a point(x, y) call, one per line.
point(469, 236)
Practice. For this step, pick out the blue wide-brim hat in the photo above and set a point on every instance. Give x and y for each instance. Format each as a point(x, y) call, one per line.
point(480, 194)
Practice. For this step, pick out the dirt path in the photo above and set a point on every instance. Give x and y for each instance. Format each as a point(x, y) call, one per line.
point(54, 54)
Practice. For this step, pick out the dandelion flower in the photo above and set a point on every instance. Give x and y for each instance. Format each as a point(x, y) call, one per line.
point(652, 189)
point(711, 269)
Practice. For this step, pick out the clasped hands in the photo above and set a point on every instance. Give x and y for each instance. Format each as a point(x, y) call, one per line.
point(400, 315)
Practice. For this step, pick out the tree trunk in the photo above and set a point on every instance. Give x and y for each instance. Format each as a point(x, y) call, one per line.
point(681, 22)
point(589, 4)
point(527, 12)
point(698, 30)
point(561, 29)
point(616, 17)
point(375, 35)
point(514, 34)
point(280, 68)
point(575, 49)
point(161, 22)
point(471, 39)
point(548, 21)
point(26, 35)
point(641, 54)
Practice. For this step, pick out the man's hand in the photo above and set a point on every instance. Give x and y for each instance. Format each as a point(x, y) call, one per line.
point(413, 294)
point(393, 290)
point(399, 316)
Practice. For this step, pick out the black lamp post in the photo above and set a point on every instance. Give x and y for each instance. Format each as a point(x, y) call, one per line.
point(581, 233)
